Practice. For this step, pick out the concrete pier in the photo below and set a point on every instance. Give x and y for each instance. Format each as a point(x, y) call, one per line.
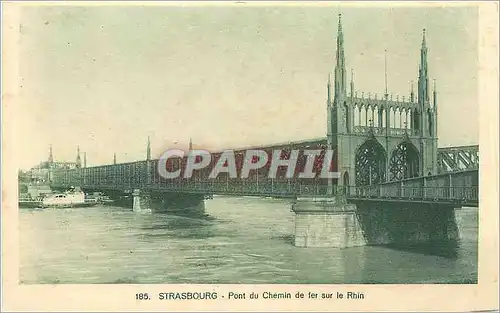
point(141, 201)
point(330, 222)
point(326, 222)
point(178, 203)
point(386, 223)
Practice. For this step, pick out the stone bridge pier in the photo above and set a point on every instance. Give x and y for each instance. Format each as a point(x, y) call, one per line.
point(326, 222)
point(162, 202)
point(331, 222)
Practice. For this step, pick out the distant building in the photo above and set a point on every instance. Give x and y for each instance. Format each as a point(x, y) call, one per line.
point(41, 172)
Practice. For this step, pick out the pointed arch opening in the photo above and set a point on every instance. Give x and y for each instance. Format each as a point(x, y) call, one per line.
point(404, 162)
point(346, 179)
point(397, 118)
point(362, 115)
point(370, 163)
point(382, 117)
point(357, 115)
point(375, 116)
point(405, 118)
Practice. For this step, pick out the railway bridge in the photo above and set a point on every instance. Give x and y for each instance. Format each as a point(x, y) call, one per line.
point(394, 184)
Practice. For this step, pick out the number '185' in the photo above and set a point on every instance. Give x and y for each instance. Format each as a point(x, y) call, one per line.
point(141, 296)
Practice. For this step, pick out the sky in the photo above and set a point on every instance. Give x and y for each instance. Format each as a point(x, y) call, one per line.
point(107, 77)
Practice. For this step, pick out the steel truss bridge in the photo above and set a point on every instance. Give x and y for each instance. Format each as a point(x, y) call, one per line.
point(453, 159)
point(456, 184)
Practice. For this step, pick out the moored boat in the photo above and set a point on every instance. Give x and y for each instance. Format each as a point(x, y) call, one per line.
point(68, 199)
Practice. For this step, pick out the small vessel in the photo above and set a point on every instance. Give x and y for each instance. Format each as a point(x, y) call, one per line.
point(69, 199)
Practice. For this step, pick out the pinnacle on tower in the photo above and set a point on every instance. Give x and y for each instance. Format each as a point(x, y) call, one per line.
point(114, 158)
point(85, 159)
point(190, 144)
point(340, 71)
point(424, 43)
point(423, 80)
point(340, 35)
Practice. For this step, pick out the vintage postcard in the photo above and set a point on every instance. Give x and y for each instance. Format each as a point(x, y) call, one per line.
point(250, 156)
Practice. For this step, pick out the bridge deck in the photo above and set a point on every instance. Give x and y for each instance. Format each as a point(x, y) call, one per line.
point(458, 187)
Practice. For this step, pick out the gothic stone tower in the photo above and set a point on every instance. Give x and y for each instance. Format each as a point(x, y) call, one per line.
point(381, 139)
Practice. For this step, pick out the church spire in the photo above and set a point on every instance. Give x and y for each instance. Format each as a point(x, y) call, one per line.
point(190, 144)
point(340, 71)
point(114, 158)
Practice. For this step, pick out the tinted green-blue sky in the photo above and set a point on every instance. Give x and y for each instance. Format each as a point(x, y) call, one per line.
point(238, 75)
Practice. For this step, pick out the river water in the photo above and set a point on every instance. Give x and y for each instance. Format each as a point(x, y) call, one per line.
point(239, 240)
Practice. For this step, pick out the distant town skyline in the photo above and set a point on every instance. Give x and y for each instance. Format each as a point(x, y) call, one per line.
point(106, 78)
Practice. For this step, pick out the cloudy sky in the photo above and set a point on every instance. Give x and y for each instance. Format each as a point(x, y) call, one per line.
point(107, 77)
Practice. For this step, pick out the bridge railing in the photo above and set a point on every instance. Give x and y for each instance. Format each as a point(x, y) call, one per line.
point(452, 194)
point(245, 188)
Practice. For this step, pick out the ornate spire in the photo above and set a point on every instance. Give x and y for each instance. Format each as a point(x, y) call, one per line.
point(424, 43)
point(114, 158)
point(423, 80)
point(190, 144)
point(340, 71)
point(340, 39)
point(148, 150)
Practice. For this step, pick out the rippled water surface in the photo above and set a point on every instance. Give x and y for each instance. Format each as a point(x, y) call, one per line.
point(239, 240)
